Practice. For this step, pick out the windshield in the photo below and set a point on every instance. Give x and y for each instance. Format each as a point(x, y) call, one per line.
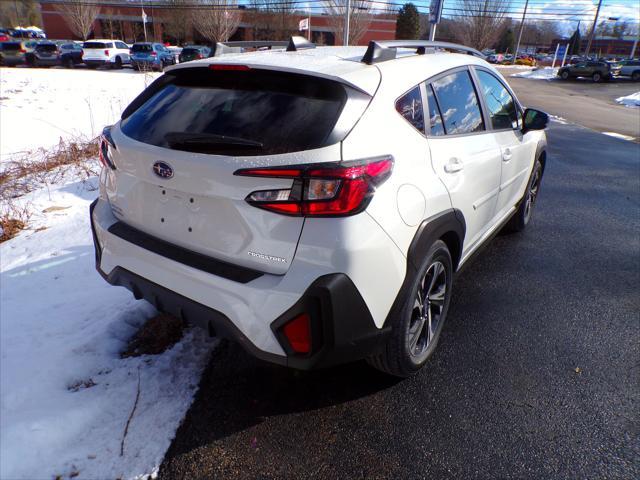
point(239, 113)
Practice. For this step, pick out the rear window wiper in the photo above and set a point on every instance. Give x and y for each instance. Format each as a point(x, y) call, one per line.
point(209, 142)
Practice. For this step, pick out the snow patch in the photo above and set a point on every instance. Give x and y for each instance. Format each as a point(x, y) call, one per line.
point(545, 73)
point(632, 100)
point(619, 135)
point(65, 393)
point(39, 106)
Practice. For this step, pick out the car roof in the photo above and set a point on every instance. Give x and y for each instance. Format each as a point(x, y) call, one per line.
point(344, 64)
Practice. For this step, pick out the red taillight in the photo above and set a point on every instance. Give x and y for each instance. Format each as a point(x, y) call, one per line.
point(106, 52)
point(298, 333)
point(200, 56)
point(237, 68)
point(105, 154)
point(154, 54)
point(337, 189)
point(22, 50)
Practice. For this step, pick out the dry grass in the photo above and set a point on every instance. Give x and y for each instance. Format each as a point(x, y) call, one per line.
point(158, 334)
point(72, 159)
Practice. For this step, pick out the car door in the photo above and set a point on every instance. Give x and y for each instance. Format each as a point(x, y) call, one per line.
point(464, 152)
point(516, 149)
point(123, 51)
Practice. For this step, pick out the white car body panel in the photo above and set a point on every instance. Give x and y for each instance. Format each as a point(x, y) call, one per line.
point(98, 54)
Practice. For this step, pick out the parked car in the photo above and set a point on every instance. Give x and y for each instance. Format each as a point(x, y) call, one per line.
point(176, 51)
point(194, 52)
point(316, 209)
point(627, 68)
point(4, 35)
point(70, 54)
point(12, 54)
point(112, 53)
point(151, 56)
point(597, 71)
point(45, 54)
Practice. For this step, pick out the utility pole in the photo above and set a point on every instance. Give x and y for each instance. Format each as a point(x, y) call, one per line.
point(347, 20)
point(593, 29)
point(635, 45)
point(524, 14)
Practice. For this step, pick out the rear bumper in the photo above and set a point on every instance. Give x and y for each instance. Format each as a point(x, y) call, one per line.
point(13, 61)
point(145, 63)
point(251, 313)
point(48, 62)
point(95, 63)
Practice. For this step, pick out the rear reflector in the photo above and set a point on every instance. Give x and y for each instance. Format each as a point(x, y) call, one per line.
point(237, 68)
point(298, 333)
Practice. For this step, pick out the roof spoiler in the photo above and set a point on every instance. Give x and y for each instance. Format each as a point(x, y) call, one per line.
point(295, 43)
point(382, 51)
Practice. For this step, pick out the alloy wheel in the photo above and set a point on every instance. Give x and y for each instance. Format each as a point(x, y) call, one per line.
point(532, 195)
point(427, 310)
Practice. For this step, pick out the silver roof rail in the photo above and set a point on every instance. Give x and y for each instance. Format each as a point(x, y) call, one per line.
point(382, 51)
point(293, 44)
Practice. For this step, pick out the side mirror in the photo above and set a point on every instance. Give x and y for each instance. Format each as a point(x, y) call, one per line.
point(534, 120)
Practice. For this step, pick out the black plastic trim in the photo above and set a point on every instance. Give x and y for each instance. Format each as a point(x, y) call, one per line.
point(184, 256)
point(342, 327)
point(382, 51)
point(168, 301)
point(429, 231)
point(98, 250)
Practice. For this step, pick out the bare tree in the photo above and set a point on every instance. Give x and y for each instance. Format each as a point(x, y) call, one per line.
point(481, 21)
point(79, 16)
point(272, 19)
point(216, 20)
point(176, 22)
point(359, 19)
point(23, 13)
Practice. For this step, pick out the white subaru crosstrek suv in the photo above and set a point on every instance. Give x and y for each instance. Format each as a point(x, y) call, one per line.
point(314, 204)
point(112, 53)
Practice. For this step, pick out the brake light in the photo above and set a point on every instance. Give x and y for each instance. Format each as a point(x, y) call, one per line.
point(237, 68)
point(22, 50)
point(200, 56)
point(326, 190)
point(106, 52)
point(154, 54)
point(298, 333)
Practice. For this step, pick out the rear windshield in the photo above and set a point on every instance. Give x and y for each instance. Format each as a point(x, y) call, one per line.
point(46, 48)
point(141, 48)
point(238, 113)
point(96, 45)
point(190, 50)
point(10, 45)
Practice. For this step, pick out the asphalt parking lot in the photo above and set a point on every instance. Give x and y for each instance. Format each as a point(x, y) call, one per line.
point(582, 101)
point(537, 374)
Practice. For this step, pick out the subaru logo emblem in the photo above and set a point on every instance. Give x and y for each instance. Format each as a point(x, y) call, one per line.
point(163, 170)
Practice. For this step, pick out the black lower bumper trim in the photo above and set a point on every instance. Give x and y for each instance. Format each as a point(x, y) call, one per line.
point(184, 256)
point(168, 301)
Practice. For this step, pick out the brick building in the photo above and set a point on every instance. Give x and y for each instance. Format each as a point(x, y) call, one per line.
point(123, 20)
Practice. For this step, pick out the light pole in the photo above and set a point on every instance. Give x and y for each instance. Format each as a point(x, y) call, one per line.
point(593, 29)
point(347, 19)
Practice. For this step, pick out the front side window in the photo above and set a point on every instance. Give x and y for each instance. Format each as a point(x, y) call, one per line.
point(501, 105)
point(410, 107)
point(458, 103)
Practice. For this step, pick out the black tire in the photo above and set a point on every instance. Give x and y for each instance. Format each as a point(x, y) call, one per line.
point(596, 77)
point(523, 215)
point(564, 75)
point(68, 63)
point(118, 64)
point(399, 357)
point(635, 76)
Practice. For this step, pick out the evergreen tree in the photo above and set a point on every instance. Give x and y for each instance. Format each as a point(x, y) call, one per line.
point(574, 42)
point(507, 41)
point(408, 23)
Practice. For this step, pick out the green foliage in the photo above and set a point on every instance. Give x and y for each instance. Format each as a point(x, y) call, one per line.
point(408, 22)
point(506, 43)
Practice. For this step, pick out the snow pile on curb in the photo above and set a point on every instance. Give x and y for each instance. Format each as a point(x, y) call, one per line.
point(545, 73)
point(39, 106)
point(65, 392)
point(630, 100)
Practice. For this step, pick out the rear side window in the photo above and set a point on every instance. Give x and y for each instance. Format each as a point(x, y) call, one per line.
point(410, 107)
point(122, 45)
point(10, 46)
point(435, 118)
point(94, 45)
point(502, 107)
point(46, 48)
point(238, 113)
point(458, 103)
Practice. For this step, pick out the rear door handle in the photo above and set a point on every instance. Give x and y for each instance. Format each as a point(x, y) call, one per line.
point(454, 165)
point(506, 154)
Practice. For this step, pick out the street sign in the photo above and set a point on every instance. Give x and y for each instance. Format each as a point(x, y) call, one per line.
point(303, 24)
point(561, 50)
point(435, 11)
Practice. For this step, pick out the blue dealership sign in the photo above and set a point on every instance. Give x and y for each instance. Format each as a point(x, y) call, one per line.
point(435, 11)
